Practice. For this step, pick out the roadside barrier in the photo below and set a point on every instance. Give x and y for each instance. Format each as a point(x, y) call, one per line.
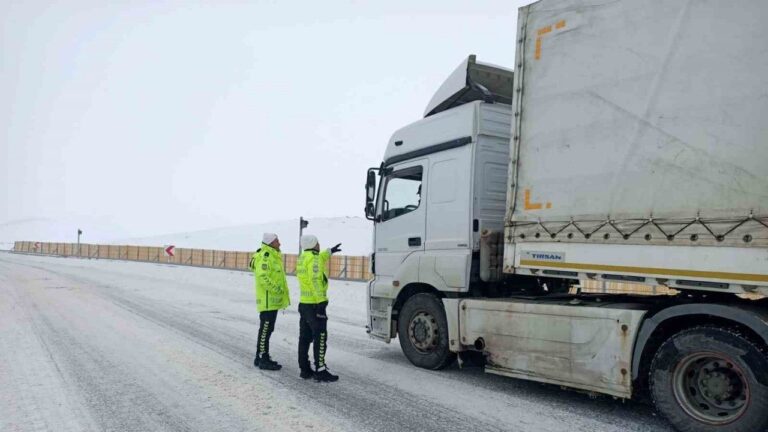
point(344, 267)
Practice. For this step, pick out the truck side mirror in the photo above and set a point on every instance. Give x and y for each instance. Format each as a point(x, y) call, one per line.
point(370, 187)
point(370, 194)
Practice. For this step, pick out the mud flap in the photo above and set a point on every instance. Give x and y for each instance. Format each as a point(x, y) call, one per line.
point(452, 317)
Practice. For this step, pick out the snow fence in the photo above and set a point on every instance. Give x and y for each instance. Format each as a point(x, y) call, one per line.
point(340, 266)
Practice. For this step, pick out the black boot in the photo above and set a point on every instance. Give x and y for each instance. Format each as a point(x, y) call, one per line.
point(266, 363)
point(307, 373)
point(256, 361)
point(324, 375)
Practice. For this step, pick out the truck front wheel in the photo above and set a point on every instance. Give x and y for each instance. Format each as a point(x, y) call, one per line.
point(711, 379)
point(423, 332)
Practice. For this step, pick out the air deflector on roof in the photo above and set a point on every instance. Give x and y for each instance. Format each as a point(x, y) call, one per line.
point(472, 81)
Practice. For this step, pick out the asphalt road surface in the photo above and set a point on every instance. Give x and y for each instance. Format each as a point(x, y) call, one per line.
point(89, 345)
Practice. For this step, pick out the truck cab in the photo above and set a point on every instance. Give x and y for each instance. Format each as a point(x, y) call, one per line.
point(441, 184)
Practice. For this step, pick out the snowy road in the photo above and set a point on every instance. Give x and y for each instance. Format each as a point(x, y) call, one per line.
point(120, 346)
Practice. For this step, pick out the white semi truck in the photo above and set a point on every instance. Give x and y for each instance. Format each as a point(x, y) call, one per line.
point(627, 143)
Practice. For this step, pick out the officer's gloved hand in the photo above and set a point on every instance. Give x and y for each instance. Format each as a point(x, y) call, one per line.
point(336, 248)
point(320, 309)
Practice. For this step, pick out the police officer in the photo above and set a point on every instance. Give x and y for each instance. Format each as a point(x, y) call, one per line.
point(313, 279)
point(271, 295)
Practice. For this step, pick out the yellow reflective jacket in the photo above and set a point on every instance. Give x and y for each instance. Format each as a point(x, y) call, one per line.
point(271, 286)
point(312, 271)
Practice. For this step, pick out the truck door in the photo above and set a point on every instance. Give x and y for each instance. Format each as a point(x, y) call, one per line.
point(401, 220)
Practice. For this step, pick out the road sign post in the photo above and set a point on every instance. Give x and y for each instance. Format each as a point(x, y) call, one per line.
point(302, 224)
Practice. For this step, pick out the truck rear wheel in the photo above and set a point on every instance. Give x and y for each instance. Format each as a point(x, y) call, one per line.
point(711, 379)
point(423, 332)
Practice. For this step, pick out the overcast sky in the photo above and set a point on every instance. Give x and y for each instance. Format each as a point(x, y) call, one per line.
point(163, 117)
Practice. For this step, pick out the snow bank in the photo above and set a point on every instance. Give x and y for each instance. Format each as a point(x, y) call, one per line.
point(354, 232)
point(95, 230)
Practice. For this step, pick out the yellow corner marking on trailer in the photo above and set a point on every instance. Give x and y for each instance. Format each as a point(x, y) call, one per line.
point(544, 30)
point(533, 205)
point(537, 54)
point(541, 33)
point(647, 270)
point(528, 204)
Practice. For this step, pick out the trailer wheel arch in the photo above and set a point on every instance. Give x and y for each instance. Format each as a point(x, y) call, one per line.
point(750, 321)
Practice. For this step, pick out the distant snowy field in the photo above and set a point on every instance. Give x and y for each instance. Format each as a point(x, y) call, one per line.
point(97, 230)
point(354, 233)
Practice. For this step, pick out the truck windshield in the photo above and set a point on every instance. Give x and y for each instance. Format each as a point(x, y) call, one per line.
point(402, 193)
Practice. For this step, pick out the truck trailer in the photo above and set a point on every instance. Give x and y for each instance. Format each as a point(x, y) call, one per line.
point(627, 143)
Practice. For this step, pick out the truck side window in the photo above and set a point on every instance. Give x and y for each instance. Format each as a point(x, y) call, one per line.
point(403, 193)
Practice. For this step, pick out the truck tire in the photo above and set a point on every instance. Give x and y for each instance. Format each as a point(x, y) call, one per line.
point(423, 332)
point(711, 379)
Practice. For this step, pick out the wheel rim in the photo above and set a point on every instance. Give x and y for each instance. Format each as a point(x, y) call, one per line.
point(423, 332)
point(711, 388)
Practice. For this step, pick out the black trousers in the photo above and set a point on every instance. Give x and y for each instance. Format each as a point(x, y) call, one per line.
point(312, 329)
point(266, 327)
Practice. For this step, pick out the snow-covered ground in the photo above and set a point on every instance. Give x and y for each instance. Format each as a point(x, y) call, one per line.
point(109, 345)
point(354, 232)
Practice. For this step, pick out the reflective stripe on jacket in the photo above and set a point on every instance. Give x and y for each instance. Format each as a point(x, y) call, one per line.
point(271, 286)
point(312, 271)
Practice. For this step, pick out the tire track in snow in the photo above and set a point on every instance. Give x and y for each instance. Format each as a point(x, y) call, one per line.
point(375, 407)
point(115, 401)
